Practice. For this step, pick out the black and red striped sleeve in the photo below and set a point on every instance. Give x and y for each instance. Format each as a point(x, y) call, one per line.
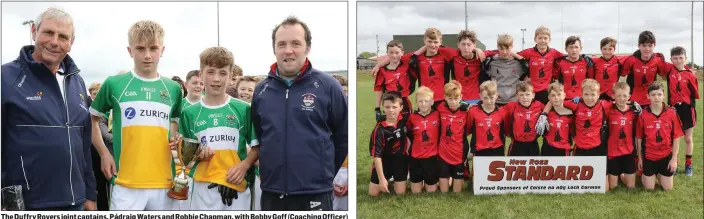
point(376, 142)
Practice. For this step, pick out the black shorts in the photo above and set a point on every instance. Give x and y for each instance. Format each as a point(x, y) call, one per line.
point(657, 167)
point(394, 166)
point(542, 96)
point(425, 170)
point(596, 151)
point(448, 170)
point(606, 97)
point(491, 152)
point(621, 164)
point(518, 148)
point(687, 114)
point(550, 151)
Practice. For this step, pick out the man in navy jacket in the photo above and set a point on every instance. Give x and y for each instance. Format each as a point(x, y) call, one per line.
point(46, 129)
point(300, 118)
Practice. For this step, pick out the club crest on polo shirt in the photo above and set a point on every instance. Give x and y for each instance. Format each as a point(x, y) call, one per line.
point(308, 101)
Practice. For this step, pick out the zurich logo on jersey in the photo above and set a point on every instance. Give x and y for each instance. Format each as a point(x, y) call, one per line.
point(130, 112)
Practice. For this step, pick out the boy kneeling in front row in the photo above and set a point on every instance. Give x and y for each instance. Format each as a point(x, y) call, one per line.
point(387, 146)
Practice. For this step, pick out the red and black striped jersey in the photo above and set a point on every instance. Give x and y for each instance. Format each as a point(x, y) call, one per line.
point(641, 73)
point(388, 140)
point(572, 74)
point(658, 131)
point(424, 132)
point(607, 72)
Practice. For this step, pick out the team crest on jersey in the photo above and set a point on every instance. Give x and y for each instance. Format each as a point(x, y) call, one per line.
point(308, 101)
point(164, 96)
point(83, 101)
point(231, 120)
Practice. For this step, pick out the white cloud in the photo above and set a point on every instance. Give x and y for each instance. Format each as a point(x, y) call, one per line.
point(246, 29)
point(591, 21)
point(101, 33)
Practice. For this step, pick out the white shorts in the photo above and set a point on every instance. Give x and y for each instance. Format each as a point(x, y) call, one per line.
point(131, 199)
point(184, 205)
point(210, 199)
point(340, 203)
point(257, 195)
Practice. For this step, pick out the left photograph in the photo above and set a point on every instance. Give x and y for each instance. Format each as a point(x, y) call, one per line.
point(183, 106)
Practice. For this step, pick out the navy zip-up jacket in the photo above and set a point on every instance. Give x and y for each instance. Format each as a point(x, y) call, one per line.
point(46, 137)
point(302, 129)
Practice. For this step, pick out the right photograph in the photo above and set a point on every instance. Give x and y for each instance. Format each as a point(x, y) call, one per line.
point(529, 109)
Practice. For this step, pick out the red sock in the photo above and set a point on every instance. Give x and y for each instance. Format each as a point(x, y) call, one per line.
point(688, 160)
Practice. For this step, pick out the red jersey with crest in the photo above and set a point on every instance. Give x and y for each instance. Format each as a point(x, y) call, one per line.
point(572, 74)
point(682, 85)
point(561, 129)
point(621, 131)
point(397, 79)
point(588, 122)
point(388, 140)
point(433, 72)
point(540, 66)
point(606, 72)
point(521, 120)
point(641, 73)
point(424, 134)
point(453, 144)
point(658, 131)
point(465, 71)
point(487, 129)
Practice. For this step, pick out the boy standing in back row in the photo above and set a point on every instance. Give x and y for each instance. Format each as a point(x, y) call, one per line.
point(642, 67)
point(146, 106)
point(540, 59)
point(682, 92)
point(607, 68)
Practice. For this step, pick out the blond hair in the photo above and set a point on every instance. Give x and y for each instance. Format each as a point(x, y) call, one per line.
point(524, 86)
point(146, 30)
point(590, 84)
point(236, 70)
point(341, 79)
point(218, 57)
point(433, 34)
point(424, 91)
point(622, 86)
point(489, 87)
point(542, 30)
point(504, 41)
point(453, 89)
point(556, 86)
point(94, 87)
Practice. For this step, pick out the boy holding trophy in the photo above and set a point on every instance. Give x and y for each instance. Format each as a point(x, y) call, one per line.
point(223, 124)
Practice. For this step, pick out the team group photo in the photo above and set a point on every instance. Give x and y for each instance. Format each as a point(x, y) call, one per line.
point(448, 107)
point(220, 125)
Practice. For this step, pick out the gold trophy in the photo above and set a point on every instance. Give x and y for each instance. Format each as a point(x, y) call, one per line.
point(185, 155)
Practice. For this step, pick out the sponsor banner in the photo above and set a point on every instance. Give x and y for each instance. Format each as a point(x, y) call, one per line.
point(546, 175)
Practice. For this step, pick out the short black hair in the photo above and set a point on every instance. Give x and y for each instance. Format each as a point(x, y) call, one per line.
point(292, 20)
point(392, 96)
point(655, 86)
point(678, 50)
point(646, 37)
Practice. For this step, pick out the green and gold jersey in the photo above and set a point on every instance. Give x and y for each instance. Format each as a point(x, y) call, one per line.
point(227, 129)
point(142, 110)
